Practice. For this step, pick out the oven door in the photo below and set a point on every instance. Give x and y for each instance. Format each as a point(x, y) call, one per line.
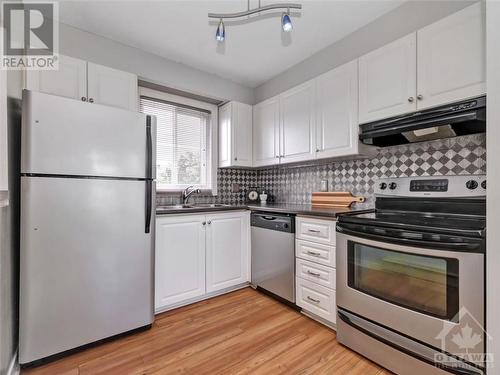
point(414, 289)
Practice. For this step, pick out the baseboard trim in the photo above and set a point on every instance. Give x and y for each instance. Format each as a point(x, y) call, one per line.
point(201, 298)
point(320, 320)
point(14, 368)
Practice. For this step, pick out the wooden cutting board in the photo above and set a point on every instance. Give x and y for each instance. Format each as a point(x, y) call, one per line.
point(334, 199)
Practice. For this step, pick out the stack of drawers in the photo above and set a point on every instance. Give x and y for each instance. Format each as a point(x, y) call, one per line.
point(315, 267)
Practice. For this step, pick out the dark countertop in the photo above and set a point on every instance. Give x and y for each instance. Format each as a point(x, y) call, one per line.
point(286, 208)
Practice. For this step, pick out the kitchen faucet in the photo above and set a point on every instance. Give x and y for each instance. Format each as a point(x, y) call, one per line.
point(186, 193)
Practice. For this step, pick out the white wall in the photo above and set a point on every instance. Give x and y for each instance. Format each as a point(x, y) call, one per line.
point(403, 20)
point(493, 172)
point(149, 67)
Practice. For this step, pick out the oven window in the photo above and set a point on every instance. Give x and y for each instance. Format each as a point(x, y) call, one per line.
point(421, 283)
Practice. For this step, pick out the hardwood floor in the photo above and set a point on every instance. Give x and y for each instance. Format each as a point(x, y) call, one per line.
point(244, 332)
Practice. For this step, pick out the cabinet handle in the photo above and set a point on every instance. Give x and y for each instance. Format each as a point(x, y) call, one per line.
point(203, 223)
point(209, 222)
point(313, 300)
point(84, 99)
point(318, 150)
point(235, 159)
point(314, 231)
point(313, 273)
point(91, 100)
point(420, 96)
point(313, 253)
point(277, 156)
point(410, 99)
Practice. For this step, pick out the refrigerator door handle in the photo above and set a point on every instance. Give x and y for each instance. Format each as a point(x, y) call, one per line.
point(149, 198)
point(149, 174)
point(149, 149)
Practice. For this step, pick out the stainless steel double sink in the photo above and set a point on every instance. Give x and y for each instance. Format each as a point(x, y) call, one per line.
point(194, 206)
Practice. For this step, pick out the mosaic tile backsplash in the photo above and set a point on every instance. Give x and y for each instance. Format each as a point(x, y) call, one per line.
point(453, 156)
point(294, 184)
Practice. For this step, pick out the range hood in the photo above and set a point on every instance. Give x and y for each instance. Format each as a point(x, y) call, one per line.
point(450, 120)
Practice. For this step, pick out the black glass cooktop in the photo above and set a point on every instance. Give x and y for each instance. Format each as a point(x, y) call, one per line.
point(469, 225)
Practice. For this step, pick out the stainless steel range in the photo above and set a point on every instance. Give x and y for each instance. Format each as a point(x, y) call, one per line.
point(410, 276)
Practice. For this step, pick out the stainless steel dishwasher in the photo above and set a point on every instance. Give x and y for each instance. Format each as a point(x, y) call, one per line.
point(273, 254)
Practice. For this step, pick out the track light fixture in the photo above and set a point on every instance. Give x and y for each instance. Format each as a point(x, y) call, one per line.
point(286, 22)
point(220, 34)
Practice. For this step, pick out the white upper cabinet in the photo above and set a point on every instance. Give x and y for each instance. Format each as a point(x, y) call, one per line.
point(235, 135)
point(387, 80)
point(337, 112)
point(82, 80)
point(70, 80)
point(112, 87)
point(225, 136)
point(228, 250)
point(266, 133)
point(451, 58)
point(179, 259)
point(297, 126)
point(441, 63)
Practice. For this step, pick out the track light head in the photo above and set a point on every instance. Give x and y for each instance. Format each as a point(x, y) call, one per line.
point(286, 22)
point(220, 34)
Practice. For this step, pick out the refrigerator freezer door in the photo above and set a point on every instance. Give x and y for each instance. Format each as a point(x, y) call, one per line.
point(62, 136)
point(86, 263)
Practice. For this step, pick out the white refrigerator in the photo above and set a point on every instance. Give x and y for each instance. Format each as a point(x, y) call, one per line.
point(87, 224)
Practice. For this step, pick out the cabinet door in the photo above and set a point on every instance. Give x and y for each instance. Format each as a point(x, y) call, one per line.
point(180, 259)
point(337, 112)
point(225, 135)
point(112, 87)
point(227, 250)
point(387, 80)
point(70, 80)
point(266, 133)
point(452, 58)
point(297, 124)
point(242, 134)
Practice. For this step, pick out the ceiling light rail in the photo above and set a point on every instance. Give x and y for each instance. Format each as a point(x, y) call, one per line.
point(286, 22)
point(255, 10)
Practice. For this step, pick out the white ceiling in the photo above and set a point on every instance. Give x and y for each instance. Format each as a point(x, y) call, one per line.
point(253, 52)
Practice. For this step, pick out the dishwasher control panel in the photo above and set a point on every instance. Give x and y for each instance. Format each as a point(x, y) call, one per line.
point(281, 223)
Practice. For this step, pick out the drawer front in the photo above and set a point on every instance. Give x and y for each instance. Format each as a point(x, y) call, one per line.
point(316, 299)
point(315, 252)
point(317, 230)
point(317, 273)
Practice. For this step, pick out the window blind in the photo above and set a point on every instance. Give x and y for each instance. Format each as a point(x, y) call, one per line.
point(181, 143)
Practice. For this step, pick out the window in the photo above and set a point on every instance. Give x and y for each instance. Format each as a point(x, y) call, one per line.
point(183, 141)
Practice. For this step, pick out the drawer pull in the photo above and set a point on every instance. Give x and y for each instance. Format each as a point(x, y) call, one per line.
point(313, 253)
point(313, 300)
point(313, 273)
point(314, 231)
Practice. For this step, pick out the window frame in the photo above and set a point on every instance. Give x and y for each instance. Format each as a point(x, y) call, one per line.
point(212, 138)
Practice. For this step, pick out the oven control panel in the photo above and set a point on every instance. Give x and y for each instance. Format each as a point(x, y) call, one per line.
point(442, 186)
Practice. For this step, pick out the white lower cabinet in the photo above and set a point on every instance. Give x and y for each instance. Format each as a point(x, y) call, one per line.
point(315, 268)
point(200, 254)
point(179, 259)
point(227, 251)
point(316, 299)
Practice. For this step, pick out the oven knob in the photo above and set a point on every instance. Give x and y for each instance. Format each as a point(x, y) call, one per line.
point(471, 184)
point(393, 185)
point(483, 184)
point(382, 186)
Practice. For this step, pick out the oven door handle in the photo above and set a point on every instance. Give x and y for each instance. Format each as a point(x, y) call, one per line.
point(472, 246)
point(452, 370)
